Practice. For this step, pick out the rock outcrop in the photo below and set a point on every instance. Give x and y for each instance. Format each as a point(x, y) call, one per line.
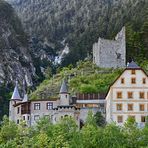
point(15, 59)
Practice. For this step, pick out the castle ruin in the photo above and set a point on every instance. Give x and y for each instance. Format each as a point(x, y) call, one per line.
point(110, 53)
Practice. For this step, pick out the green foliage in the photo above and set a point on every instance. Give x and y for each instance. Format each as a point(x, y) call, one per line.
point(8, 130)
point(48, 73)
point(66, 134)
point(90, 120)
point(99, 119)
point(132, 133)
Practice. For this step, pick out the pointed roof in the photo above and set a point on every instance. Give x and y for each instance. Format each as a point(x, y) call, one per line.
point(25, 99)
point(133, 65)
point(16, 95)
point(64, 88)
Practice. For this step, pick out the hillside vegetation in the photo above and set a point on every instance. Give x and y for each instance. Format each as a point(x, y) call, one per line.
point(81, 22)
point(86, 77)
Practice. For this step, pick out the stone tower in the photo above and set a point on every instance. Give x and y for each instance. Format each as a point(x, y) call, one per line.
point(14, 99)
point(64, 95)
point(110, 53)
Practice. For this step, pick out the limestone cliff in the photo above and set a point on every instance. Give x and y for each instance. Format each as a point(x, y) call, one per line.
point(22, 57)
point(15, 59)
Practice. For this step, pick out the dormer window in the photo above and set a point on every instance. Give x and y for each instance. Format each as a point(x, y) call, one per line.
point(122, 80)
point(133, 72)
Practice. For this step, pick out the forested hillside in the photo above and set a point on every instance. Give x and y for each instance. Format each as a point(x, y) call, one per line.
point(80, 23)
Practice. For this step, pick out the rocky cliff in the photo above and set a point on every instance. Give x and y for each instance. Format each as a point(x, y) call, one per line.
point(22, 57)
point(15, 59)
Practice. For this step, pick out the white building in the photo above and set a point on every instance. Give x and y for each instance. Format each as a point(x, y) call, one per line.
point(128, 96)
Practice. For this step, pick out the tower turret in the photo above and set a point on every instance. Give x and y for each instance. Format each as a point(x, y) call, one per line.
point(14, 99)
point(25, 99)
point(64, 95)
point(16, 95)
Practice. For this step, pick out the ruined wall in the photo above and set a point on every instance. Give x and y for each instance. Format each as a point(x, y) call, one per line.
point(110, 53)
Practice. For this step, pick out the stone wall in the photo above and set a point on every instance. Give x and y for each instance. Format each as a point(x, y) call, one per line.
point(110, 53)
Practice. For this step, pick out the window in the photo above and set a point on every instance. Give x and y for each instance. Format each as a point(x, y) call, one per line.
point(18, 121)
point(18, 110)
point(119, 107)
point(143, 119)
point(133, 72)
point(23, 117)
point(36, 117)
point(130, 95)
point(141, 107)
point(141, 95)
point(144, 80)
point(119, 119)
point(130, 107)
point(122, 80)
point(119, 95)
point(133, 80)
point(36, 106)
point(28, 118)
point(49, 105)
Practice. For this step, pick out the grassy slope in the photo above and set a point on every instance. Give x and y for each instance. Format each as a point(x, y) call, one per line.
point(85, 78)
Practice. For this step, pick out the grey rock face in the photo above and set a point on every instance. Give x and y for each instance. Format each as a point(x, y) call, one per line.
point(15, 59)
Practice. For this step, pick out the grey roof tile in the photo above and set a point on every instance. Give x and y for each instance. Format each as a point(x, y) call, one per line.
point(16, 95)
point(132, 65)
point(64, 88)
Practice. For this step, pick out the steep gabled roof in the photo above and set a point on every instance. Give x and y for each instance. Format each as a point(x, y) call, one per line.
point(132, 65)
point(64, 88)
point(25, 99)
point(16, 95)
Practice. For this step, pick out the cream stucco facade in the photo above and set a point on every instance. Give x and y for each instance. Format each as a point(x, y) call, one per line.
point(128, 96)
